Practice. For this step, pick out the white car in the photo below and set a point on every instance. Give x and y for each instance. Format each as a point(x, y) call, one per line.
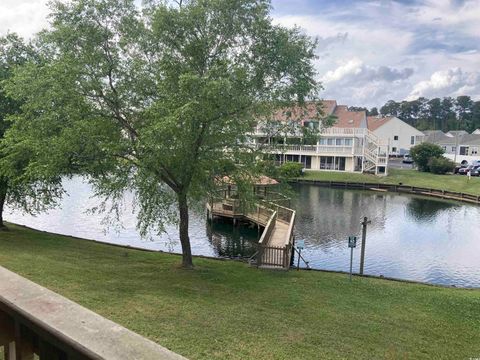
point(407, 159)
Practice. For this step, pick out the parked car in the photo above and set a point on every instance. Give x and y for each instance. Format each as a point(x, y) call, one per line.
point(475, 171)
point(407, 159)
point(464, 171)
point(463, 165)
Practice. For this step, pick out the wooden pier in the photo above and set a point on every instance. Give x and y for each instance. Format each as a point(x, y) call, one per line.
point(276, 243)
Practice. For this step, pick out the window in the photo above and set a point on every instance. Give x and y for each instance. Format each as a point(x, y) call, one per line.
point(474, 151)
point(395, 137)
point(454, 149)
point(394, 149)
point(412, 140)
point(340, 163)
point(330, 141)
point(326, 162)
point(339, 142)
point(323, 141)
point(348, 142)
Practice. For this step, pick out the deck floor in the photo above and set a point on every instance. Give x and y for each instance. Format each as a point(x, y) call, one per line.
point(279, 234)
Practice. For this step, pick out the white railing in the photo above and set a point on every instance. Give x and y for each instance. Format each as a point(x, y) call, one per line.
point(312, 149)
point(332, 131)
point(344, 131)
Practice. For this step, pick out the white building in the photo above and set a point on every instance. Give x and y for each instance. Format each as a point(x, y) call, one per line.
point(458, 145)
point(346, 146)
point(399, 135)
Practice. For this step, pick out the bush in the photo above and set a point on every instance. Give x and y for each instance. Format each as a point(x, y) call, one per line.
point(422, 153)
point(440, 165)
point(291, 170)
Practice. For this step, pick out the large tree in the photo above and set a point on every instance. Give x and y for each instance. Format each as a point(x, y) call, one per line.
point(158, 102)
point(19, 187)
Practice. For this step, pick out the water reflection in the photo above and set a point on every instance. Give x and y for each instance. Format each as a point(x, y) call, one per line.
point(232, 241)
point(421, 210)
point(410, 237)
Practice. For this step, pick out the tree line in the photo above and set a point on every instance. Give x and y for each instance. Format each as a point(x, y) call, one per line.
point(447, 113)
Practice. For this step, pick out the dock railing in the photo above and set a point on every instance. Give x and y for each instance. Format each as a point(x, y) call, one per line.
point(271, 252)
point(278, 255)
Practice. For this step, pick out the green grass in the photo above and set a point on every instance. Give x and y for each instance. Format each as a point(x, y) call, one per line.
point(227, 310)
point(456, 183)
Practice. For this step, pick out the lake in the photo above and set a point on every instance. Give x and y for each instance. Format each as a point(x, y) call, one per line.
point(410, 237)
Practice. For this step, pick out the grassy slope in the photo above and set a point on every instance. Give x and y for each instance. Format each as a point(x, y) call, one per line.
point(456, 183)
point(228, 310)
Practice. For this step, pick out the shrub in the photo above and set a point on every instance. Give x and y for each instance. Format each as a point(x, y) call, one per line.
point(440, 165)
point(291, 170)
point(422, 153)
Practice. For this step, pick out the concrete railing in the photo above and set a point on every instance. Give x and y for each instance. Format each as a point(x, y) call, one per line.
point(36, 323)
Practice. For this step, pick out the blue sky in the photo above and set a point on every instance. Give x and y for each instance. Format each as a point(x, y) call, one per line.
point(369, 51)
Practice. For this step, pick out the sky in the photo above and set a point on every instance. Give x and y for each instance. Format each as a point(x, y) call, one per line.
point(368, 51)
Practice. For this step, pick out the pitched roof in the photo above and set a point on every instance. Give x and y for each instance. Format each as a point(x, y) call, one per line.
point(307, 112)
point(456, 132)
point(374, 122)
point(469, 139)
point(349, 119)
point(438, 137)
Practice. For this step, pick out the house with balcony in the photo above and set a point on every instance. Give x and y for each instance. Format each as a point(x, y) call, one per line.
point(348, 145)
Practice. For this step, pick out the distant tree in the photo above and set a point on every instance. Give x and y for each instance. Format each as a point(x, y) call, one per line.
point(373, 112)
point(391, 108)
point(422, 153)
point(448, 114)
point(357, 108)
point(19, 187)
point(476, 115)
point(434, 113)
point(464, 107)
point(159, 102)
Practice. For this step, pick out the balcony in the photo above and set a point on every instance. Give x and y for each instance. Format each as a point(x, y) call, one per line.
point(312, 149)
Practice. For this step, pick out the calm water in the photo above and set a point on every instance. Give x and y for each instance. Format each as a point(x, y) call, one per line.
point(410, 237)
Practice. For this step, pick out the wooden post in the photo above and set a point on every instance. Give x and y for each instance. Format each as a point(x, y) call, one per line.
point(365, 222)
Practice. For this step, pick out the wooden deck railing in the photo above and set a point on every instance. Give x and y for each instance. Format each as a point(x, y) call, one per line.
point(36, 323)
point(273, 250)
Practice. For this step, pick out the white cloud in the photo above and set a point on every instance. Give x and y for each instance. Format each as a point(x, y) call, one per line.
point(451, 82)
point(24, 17)
point(356, 72)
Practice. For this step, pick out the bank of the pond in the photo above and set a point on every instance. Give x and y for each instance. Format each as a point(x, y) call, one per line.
point(454, 183)
point(228, 310)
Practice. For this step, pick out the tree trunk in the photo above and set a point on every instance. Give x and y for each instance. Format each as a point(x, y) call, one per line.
point(184, 238)
point(3, 197)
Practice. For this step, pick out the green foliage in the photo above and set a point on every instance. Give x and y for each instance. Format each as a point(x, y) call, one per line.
point(159, 102)
point(440, 165)
point(20, 185)
point(422, 153)
point(291, 170)
point(461, 113)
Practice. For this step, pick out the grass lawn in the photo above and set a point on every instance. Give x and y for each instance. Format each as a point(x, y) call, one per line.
point(456, 183)
point(227, 310)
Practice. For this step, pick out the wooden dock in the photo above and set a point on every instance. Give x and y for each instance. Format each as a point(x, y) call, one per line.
point(276, 243)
